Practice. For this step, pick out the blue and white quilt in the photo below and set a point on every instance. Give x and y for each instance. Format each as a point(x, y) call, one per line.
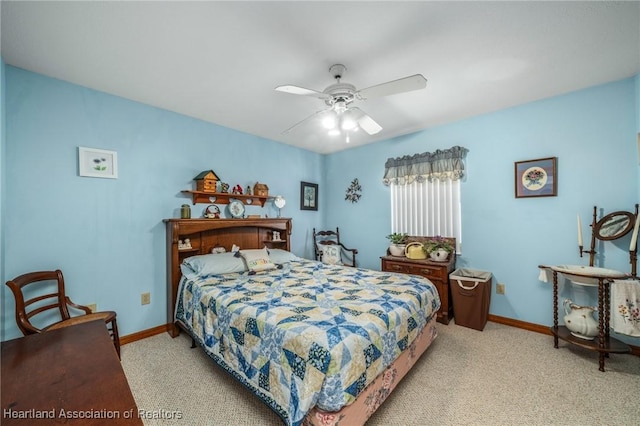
point(309, 333)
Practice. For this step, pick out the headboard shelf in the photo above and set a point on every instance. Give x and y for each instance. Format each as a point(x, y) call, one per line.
point(205, 234)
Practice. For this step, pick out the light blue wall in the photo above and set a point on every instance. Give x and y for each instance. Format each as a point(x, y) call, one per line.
point(592, 132)
point(107, 235)
point(4, 302)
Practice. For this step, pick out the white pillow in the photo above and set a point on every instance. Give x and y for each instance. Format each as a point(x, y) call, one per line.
point(331, 255)
point(279, 256)
point(257, 260)
point(208, 264)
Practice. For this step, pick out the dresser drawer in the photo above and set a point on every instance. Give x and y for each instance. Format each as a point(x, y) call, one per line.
point(404, 268)
point(434, 273)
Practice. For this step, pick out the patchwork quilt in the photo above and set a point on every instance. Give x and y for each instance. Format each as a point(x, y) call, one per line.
point(307, 334)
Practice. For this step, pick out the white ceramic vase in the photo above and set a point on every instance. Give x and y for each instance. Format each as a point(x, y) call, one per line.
point(397, 249)
point(439, 255)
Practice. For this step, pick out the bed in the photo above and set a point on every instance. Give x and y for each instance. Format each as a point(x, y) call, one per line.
point(319, 344)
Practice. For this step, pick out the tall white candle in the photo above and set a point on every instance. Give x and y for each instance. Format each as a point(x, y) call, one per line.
point(579, 231)
point(634, 237)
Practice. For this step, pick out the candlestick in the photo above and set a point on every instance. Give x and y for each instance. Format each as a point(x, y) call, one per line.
point(579, 231)
point(634, 237)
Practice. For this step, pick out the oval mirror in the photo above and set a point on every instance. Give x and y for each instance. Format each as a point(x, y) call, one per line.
point(279, 202)
point(614, 225)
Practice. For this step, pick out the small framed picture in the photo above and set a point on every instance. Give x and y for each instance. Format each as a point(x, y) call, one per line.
point(536, 178)
point(93, 162)
point(308, 196)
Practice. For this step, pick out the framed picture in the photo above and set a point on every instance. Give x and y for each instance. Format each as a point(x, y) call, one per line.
point(536, 178)
point(100, 163)
point(308, 196)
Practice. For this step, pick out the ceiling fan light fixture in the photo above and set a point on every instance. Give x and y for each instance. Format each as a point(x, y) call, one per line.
point(340, 106)
point(329, 122)
point(348, 123)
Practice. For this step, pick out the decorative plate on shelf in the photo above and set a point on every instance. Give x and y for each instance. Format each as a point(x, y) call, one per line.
point(236, 208)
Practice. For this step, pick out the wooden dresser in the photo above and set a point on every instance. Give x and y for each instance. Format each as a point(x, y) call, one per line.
point(436, 272)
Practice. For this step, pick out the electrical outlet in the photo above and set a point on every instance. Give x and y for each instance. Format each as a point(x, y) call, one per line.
point(93, 307)
point(145, 298)
point(500, 288)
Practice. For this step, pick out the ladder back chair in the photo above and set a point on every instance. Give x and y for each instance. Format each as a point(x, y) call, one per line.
point(329, 249)
point(29, 305)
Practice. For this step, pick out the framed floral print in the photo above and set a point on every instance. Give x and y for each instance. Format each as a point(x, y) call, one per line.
point(536, 178)
point(98, 163)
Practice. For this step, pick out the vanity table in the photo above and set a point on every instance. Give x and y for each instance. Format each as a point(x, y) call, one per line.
point(611, 227)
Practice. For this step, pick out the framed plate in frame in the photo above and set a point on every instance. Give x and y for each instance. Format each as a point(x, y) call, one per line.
point(536, 178)
point(308, 196)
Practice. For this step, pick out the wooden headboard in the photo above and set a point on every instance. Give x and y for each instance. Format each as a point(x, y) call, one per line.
point(205, 234)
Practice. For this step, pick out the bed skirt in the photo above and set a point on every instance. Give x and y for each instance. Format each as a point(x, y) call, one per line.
point(377, 392)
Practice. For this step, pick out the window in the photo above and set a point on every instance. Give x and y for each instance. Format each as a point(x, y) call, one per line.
point(425, 193)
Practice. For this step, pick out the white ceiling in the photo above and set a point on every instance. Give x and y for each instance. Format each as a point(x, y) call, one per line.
point(220, 61)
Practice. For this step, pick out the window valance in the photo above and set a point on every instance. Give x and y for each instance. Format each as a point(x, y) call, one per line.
point(442, 165)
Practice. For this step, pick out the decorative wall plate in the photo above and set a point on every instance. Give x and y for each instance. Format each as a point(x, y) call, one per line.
point(236, 208)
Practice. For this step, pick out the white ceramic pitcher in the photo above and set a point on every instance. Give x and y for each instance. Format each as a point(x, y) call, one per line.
point(580, 321)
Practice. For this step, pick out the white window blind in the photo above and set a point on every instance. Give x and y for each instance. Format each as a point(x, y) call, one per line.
point(425, 193)
point(427, 208)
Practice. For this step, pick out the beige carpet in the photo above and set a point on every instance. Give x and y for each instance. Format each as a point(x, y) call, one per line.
point(501, 376)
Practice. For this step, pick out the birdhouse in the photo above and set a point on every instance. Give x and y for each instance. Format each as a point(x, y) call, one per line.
point(261, 189)
point(206, 181)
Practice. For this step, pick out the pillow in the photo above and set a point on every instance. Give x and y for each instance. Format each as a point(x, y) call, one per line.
point(207, 264)
point(331, 255)
point(257, 260)
point(279, 256)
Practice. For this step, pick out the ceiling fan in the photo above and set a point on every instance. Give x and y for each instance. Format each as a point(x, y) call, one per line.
point(340, 116)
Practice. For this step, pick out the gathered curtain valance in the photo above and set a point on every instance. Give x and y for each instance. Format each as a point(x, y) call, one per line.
point(442, 165)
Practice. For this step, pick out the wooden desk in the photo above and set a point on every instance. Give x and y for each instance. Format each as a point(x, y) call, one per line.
point(71, 375)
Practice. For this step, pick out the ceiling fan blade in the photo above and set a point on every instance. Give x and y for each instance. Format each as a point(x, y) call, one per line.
point(309, 118)
point(297, 90)
point(365, 122)
point(407, 84)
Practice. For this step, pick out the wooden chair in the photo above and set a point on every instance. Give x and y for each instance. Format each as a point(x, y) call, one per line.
point(323, 239)
point(50, 302)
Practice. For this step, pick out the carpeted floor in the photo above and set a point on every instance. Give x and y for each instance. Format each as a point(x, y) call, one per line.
point(500, 376)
